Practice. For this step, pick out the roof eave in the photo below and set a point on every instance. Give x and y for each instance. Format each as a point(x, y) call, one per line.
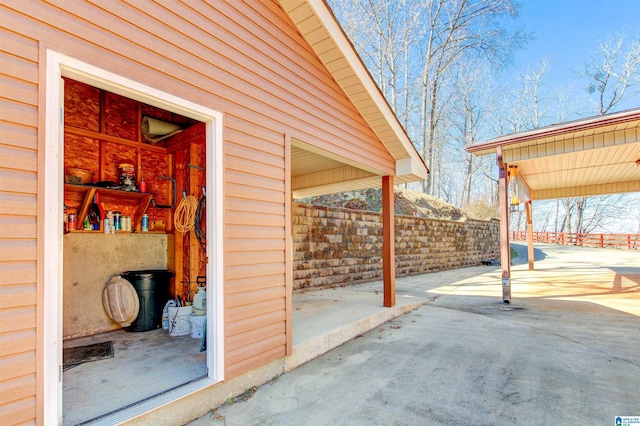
point(581, 125)
point(399, 145)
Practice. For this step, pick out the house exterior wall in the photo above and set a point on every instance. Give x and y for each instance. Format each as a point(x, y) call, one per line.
point(245, 59)
point(334, 246)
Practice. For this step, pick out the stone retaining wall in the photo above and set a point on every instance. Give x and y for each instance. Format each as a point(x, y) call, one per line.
point(334, 246)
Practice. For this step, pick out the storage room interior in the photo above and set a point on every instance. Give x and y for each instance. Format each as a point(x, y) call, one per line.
point(134, 285)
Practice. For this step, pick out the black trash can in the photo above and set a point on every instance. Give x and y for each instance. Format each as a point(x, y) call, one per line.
point(152, 287)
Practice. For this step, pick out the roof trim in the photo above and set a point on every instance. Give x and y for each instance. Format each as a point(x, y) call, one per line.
point(575, 126)
point(389, 131)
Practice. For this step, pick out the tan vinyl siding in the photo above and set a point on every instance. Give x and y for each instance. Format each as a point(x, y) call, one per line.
point(18, 226)
point(289, 94)
point(254, 244)
point(245, 59)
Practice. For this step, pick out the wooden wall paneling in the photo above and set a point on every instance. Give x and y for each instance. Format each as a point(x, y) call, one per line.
point(108, 138)
point(186, 246)
point(153, 165)
point(120, 116)
point(101, 117)
point(138, 164)
point(82, 105)
point(195, 181)
point(177, 159)
point(82, 152)
point(171, 166)
point(101, 130)
point(116, 154)
point(102, 162)
point(186, 265)
point(139, 125)
point(202, 162)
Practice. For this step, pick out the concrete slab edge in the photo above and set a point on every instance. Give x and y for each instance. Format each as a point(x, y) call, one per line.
point(307, 351)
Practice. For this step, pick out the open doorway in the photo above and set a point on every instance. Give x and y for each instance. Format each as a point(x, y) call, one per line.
point(113, 132)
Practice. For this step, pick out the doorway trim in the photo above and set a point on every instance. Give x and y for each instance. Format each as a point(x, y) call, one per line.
point(57, 66)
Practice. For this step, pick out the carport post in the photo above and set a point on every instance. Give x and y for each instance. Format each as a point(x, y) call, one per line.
point(388, 243)
point(505, 254)
point(529, 210)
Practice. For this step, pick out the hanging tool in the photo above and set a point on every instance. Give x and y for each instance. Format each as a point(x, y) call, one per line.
point(173, 191)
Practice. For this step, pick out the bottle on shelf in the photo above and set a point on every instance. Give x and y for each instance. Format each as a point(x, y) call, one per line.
point(142, 186)
point(109, 225)
point(117, 221)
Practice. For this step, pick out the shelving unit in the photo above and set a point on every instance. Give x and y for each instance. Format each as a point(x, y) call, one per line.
point(86, 193)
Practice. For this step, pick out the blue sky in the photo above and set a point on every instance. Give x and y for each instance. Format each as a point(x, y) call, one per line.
point(568, 31)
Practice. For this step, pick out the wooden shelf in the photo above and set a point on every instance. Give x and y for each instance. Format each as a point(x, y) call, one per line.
point(114, 196)
point(71, 130)
point(96, 231)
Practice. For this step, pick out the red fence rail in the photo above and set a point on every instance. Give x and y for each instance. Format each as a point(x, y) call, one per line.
point(625, 241)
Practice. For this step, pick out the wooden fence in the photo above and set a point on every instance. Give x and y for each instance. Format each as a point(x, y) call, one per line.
point(625, 241)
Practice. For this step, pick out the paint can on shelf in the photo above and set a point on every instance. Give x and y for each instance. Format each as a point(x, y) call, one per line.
point(145, 223)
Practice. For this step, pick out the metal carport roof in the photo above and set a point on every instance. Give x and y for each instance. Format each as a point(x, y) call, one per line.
point(592, 156)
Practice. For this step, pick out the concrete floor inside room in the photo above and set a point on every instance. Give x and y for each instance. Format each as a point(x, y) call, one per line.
point(144, 364)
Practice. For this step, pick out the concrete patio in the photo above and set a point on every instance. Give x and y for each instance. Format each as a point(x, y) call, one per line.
point(565, 349)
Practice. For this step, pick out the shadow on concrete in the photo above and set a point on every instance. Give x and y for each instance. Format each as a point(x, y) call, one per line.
point(523, 254)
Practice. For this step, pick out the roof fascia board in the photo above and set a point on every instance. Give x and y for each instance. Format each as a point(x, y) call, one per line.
point(602, 141)
point(556, 130)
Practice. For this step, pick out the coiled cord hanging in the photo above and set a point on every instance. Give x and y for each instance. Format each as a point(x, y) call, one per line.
point(199, 220)
point(184, 218)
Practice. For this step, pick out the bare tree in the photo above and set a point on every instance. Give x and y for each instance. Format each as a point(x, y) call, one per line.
point(386, 33)
point(458, 30)
point(472, 106)
point(611, 72)
point(526, 106)
point(412, 46)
